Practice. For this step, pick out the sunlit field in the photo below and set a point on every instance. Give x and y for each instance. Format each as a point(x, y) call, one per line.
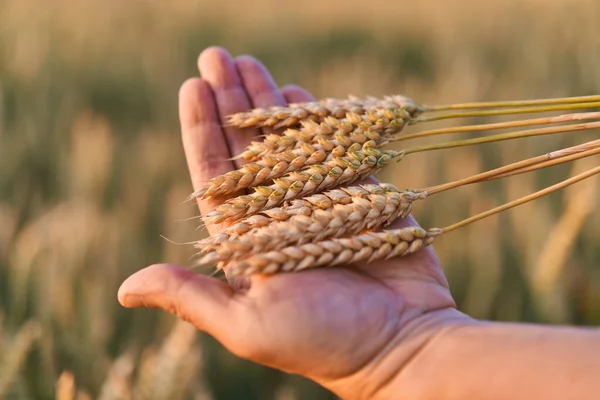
point(92, 171)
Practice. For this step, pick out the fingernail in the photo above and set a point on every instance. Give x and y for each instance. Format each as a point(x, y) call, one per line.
point(131, 300)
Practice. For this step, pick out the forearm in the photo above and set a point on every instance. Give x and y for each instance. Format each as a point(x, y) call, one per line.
point(485, 360)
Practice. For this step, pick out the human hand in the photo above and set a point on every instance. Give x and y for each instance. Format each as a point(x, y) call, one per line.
point(351, 329)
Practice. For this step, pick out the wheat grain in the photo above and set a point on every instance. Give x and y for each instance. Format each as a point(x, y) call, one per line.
point(304, 206)
point(337, 221)
point(373, 125)
point(367, 247)
point(274, 166)
point(311, 229)
point(296, 113)
point(280, 155)
point(372, 212)
point(314, 179)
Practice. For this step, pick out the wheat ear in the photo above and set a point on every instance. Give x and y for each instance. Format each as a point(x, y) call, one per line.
point(303, 206)
point(314, 179)
point(295, 113)
point(272, 166)
point(373, 246)
point(372, 125)
point(367, 247)
point(325, 223)
point(373, 212)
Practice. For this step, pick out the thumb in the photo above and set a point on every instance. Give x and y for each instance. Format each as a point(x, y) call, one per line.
point(203, 301)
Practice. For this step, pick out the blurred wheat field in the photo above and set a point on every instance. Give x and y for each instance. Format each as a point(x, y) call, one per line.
point(92, 171)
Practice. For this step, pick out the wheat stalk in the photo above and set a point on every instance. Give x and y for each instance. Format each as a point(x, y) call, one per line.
point(314, 179)
point(504, 125)
point(307, 205)
point(513, 103)
point(17, 353)
point(572, 153)
point(506, 136)
point(361, 212)
point(269, 168)
point(65, 386)
point(372, 212)
point(296, 113)
point(371, 246)
point(278, 156)
point(343, 170)
point(291, 225)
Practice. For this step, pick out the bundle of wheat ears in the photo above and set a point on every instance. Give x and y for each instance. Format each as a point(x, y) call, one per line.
point(301, 210)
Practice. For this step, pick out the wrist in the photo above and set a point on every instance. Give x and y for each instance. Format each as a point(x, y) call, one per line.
point(384, 377)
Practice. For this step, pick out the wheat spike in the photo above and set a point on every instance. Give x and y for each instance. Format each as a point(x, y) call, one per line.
point(292, 224)
point(370, 213)
point(65, 386)
point(367, 247)
point(314, 179)
point(295, 113)
point(17, 353)
point(304, 206)
point(274, 166)
point(373, 125)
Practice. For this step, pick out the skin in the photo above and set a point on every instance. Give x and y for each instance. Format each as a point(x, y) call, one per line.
point(378, 331)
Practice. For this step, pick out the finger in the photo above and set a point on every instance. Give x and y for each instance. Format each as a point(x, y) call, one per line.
point(259, 84)
point(296, 94)
point(218, 68)
point(205, 302)
point(205, 147)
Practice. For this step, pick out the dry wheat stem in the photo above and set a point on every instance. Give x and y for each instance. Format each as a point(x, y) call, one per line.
point(505, 136)
point(503, 125)
point(513, 103)
point(366, 247)
point(328, 151)
point(525, 199)
point(371, 213)
point(304, 206)
point(550, 163)
point(349, 136)
point(295, 113)
point(556, 157)
point(370, 246)
point(373, 125)
point(511, 111)
point(314, 179)
point(329, 224)
point(16, 354)
point(325, 201)
point(345, 170)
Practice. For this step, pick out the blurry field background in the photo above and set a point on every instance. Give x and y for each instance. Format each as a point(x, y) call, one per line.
point(92, 170)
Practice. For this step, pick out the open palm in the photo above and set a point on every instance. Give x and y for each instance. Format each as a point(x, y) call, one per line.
point(337, 326)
